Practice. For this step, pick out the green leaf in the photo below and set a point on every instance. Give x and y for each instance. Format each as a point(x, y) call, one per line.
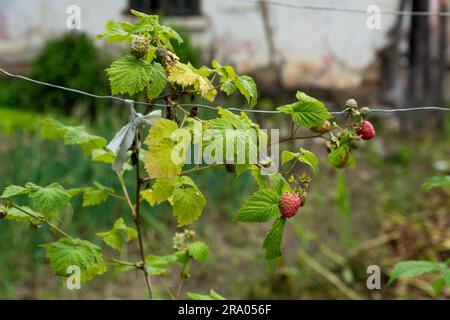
point(53, 129)
point(438, 285)
point(12, 191)
point(446, 276)
point(96, 195)
point(307, 111)
point(437, 182)
point(17, 215)
point(118, 235)
point(83, 254)
point(115, 33)
point(158, 81)
point(247, 87)
point(228, 87)
point(161, 261)
point(49, 199)
point(130, 75)
point(101, 155)
point(187, 205)
point(262, 206)
point(158, 160)
point(339, 157)
point(412, 268)
point(198, 250)
point(161, 191)
point(304, 156)
point(213, 295)
point(272, 242)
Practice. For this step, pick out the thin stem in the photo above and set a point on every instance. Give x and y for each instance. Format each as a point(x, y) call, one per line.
point(127, 196)
point(51, 225)
point(190, 171)
point(167, 288)
point(137, 220)
point(298, 138)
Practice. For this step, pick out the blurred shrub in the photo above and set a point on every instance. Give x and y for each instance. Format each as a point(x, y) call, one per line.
point(15, 120)
point(71, 60)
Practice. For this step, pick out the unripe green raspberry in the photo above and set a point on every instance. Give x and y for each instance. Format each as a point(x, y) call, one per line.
point(139, 47)
point(365, 112)
point(351, 103)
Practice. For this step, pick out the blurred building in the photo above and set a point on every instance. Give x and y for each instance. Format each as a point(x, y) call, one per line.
point(281, 45)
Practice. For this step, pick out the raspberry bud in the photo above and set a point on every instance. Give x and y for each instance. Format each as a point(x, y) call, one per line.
point(365, 112)
point(351, 104)
point(366, 131)
point(289, 205)
point(139, 47)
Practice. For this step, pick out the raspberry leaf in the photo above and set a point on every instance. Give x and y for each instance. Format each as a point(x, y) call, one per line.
point(198, 250)
point(53, 129)
point(48, 199)
point(130, 75)
point(186, 75)
point(67, 252)
point(262, 206)
point(304, 156)
point(12, 191)
point(272, 242)
point(307, 111)
point(187, 205)
point(413, 268)
point(247, 87)
point(158, 160)
point(118, 235)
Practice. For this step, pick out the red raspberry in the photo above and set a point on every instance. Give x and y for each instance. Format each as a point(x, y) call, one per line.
point(366, 131)
point(289, 205)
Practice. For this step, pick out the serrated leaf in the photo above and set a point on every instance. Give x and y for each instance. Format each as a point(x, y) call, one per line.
point(262, 206)
point(96, 195)
point(75, 252)
point(187, 205)
point(158, 160)
point(53, 129)
point(12, 191)
point(130, 75)
point(186, 75)
point(161, 261)
point(340, 156)
point(17, 215)
point(306, 112)
point(101, 155)
point(412, 268)
point(115, 33)
point(247, 87)
point(272, 242)
point(437, 182)
point(304, 156)
point(161, 191)
point(49, 199)
point(198, 250)
point(158, 81)
point(118, 235)
point(228, 87)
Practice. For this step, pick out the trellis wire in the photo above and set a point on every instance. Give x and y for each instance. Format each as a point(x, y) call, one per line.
point(114, 98)
point(342, 9)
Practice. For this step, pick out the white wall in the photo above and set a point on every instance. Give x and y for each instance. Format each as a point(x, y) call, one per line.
point(316, 47)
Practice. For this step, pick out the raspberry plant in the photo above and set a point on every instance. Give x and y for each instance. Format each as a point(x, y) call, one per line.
point(153, 68)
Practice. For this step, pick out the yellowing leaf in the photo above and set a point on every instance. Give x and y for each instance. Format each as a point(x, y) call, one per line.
point(186, 75)
point(158, 160)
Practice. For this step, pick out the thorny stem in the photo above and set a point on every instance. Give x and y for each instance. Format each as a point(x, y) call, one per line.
point(51, 225)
